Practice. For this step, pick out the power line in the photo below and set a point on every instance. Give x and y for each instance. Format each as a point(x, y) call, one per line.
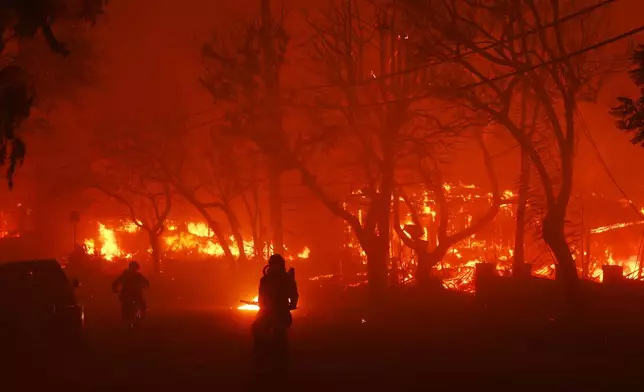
point(639, 212)
point(509, 74)
point(469, 52)
point(601, 160)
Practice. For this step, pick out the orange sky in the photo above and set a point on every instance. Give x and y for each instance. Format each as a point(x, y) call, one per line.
point(153, 46)
point(151, 62)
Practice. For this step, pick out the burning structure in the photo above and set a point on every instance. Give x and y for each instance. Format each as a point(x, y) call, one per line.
point(600, 244)
point(187, 240)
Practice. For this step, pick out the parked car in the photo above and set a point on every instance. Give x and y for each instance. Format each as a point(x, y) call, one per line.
point(38, 307)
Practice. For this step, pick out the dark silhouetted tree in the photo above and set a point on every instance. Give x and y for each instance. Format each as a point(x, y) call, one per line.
point(19, 20)
point(146, 201)
point(430, 171)
point(215, 177)
point(368, 124)
point(490, 52)
point(630, 112)
point(243, 72)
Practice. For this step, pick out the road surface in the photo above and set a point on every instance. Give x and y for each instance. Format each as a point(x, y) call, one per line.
point(208, 349)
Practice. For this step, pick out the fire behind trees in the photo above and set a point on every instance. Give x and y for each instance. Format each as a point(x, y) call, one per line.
point(187, 241)
point(406, 82)
point(403, 87)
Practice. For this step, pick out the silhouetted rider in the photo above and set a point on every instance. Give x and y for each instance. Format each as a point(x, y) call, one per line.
point(277, 297)
point(130, 285)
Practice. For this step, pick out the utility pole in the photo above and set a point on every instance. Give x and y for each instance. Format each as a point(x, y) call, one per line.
point(584, 262)
point(74, 217)
point(271, 69)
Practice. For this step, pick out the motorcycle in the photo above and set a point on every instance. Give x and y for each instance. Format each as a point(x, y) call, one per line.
point(270, 351)
point(133, 313)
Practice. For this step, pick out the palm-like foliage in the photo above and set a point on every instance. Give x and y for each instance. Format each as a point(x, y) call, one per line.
point(630, 112)
point(22, 19)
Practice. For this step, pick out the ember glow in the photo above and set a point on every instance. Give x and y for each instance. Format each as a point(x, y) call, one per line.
point(199, 239)
point(495, 245)
point(456, 270)
point(614, 226)
point(195, 238)
point(249, 307)
point(304, 254)
point(109, 248)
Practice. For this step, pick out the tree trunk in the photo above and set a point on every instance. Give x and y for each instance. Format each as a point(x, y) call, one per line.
point(427, 261)
point(377, 274)
point(255, 217)
point(155, 256)
point(239, 241)
point(423, 268)
point(274, 119)
point(522, 205)
point(235, 227)
point(554, 236)
point(378, 261)
point(220, 236)
point(275, 206)
point(554, 222)
point(256, 225)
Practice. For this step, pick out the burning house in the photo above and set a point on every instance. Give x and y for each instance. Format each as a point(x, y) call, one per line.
point(606, 235)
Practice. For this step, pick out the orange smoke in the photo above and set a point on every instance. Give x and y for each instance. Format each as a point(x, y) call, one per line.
point(196, 239)
point(249, 307)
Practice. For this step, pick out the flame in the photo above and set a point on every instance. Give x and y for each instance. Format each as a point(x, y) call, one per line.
point(195, 239)
point(90, 246)
point(304, 254)
point(249, 307)
point(456, 270)
point(614, 226)
point(129, 227)
point(109, 246)
point(199, 230)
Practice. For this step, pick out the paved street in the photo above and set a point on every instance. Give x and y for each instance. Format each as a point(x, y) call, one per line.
point(208, 349)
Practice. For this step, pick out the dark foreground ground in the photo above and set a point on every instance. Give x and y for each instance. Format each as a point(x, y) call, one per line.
point(204, 348)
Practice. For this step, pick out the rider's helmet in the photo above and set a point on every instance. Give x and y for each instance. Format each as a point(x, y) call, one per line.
point(134, 266)
point(277, 262)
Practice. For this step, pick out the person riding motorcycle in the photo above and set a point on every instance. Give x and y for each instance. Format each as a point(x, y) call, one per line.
point(278, 295)
point(130, 285)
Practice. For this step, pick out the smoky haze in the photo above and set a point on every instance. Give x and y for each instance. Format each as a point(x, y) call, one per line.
point(148, 67)
point(418, 227)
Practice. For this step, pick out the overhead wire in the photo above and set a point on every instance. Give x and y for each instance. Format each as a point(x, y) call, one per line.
point(610, 175)
point(516, 72)
point(602, 162)
point(469, 52)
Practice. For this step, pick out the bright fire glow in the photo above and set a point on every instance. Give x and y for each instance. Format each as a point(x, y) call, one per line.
point(195, 239)
point(456, 270)
point(304, 254)
point(249, 307)
point(109, 246)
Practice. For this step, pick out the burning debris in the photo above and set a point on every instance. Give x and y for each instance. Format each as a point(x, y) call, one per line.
point(455, 271)
point(491, 245)
point(250, 305)
point(195, 239)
